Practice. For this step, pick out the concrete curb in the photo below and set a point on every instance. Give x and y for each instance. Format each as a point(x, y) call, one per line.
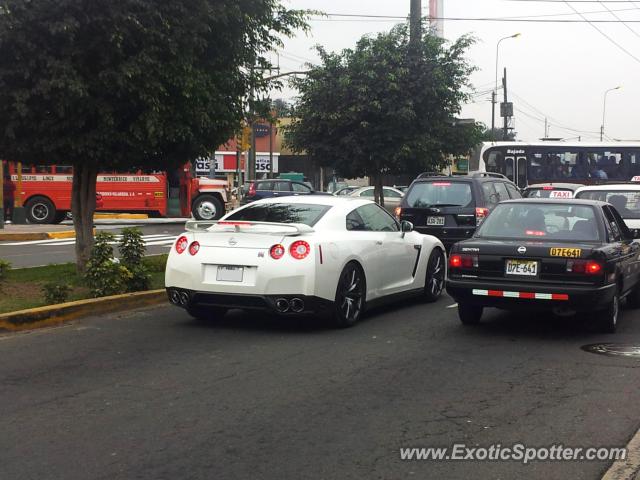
point(120, 216)
point(26, 236)
point(57, 314)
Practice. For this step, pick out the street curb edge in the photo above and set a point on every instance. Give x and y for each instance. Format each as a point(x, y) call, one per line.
point(64, 312)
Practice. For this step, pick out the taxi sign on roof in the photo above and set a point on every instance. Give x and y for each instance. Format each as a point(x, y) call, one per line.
point(636, 178)
point(561, 194)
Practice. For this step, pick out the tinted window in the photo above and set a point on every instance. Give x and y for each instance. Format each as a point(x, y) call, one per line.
point(513, 191)
point(615, 235)
point(426, 194)
point(264, 186)
point(355, 222)
point(377, 219)
point(282, 186)
point(281, 213)
point(490, 195)
point(626, 202)
point(501, 190)
point(300, 188)
point(541, 221)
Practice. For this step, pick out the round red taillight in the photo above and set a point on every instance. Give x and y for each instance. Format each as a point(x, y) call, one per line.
point(181, 244)
point(593, 268)
point(455, 261)
point(194, 248)
point(299, 249)
point(277, 251)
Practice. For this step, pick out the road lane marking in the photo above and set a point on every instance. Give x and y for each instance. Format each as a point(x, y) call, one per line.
point(453, 306)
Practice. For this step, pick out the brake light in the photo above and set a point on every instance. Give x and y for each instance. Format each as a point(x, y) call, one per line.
point(194, 248)
point(547, 188)
point(535, 233)
point(252, 189)
point(299, 249)
point(181, 244)
point(463, 261)
point(441, 184)
point(398, 212)
point(233, 223)
point(586, 267)
point(277, 251)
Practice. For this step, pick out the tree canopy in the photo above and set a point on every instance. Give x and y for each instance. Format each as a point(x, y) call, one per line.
point(384, 108)
point(131, 83)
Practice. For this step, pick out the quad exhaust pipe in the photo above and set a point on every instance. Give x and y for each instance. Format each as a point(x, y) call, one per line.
point(297, 305)
point(282, 305)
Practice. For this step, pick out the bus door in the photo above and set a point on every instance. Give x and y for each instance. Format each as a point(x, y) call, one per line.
point(521, 171)
point(174, 192)
point(184, 192)
point(509, 168)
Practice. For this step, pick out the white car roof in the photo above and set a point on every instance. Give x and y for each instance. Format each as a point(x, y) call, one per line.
point(330, 200)
point(615, 187)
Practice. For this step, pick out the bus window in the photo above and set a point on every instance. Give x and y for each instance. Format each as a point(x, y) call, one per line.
point(43, 169)
point(556, 165)
point(508, 167)
point(68, 169)
point(495, 163)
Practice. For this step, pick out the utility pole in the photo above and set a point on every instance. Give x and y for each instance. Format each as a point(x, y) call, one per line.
point(546, 134)
point(493, 115)
point(1, 196)
point(415, 22)
point(505, 129)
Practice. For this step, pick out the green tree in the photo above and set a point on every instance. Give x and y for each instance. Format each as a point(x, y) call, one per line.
point(377, 109)
point(103, 84)
point(497, 133)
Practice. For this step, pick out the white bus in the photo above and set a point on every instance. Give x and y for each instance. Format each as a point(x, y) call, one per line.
point(570, 162)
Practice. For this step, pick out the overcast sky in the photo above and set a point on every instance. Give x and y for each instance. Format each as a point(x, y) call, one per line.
point(557, 70)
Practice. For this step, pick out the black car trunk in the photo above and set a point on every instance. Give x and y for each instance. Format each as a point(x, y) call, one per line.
point(502, 259)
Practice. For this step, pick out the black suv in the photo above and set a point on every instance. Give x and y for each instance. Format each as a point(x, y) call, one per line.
point(451, 207)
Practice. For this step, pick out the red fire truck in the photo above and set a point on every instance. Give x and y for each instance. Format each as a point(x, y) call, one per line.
point(46, 192)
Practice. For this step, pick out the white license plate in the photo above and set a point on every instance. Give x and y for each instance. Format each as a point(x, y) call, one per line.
point(228, 273)
point(437, 221)
point(522, 267)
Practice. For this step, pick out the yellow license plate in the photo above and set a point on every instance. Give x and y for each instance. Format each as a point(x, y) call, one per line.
point(565, 252)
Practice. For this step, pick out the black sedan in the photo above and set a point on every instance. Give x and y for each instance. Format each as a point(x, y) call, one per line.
point(565, 256)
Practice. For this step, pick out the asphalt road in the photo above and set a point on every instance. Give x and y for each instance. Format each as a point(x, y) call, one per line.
point(159, 238)
point(155, 395)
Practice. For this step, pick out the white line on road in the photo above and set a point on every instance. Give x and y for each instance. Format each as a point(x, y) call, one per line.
point(453, 306)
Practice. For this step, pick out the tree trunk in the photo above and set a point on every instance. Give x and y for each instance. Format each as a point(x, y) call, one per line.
point(83, 205)
point(378, 192)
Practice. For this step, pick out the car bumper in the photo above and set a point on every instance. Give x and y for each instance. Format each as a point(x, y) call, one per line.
point(511, 295)
point(279, 304)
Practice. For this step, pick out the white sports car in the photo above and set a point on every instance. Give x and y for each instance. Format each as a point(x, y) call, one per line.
point(321, 255)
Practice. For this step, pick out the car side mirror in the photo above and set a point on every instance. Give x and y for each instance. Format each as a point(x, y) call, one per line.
point(635, 233)
point(405, 227)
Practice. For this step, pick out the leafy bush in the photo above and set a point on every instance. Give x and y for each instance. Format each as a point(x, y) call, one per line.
point(156, 263)
point(4, 269)
point(55, 292)
point(105, 275)
point(132, 250)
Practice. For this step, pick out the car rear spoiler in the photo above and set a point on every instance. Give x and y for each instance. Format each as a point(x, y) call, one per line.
point(289, 229)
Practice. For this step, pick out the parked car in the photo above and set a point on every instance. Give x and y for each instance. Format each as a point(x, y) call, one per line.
point(392, 196)
point(346, 190)
point(551, 190)
point(625, 197)
point(316, 255)
point(519, 259)
point(276, 187)
point(451, 207)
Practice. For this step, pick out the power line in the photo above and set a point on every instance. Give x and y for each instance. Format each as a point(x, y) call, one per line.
point(604, 34)
point(618, 18)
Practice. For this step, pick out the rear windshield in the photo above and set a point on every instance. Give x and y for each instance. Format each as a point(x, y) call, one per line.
point(442, 193)
point(549, 193)
point(627, 203)
point(307, 214)
point(541, 221)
